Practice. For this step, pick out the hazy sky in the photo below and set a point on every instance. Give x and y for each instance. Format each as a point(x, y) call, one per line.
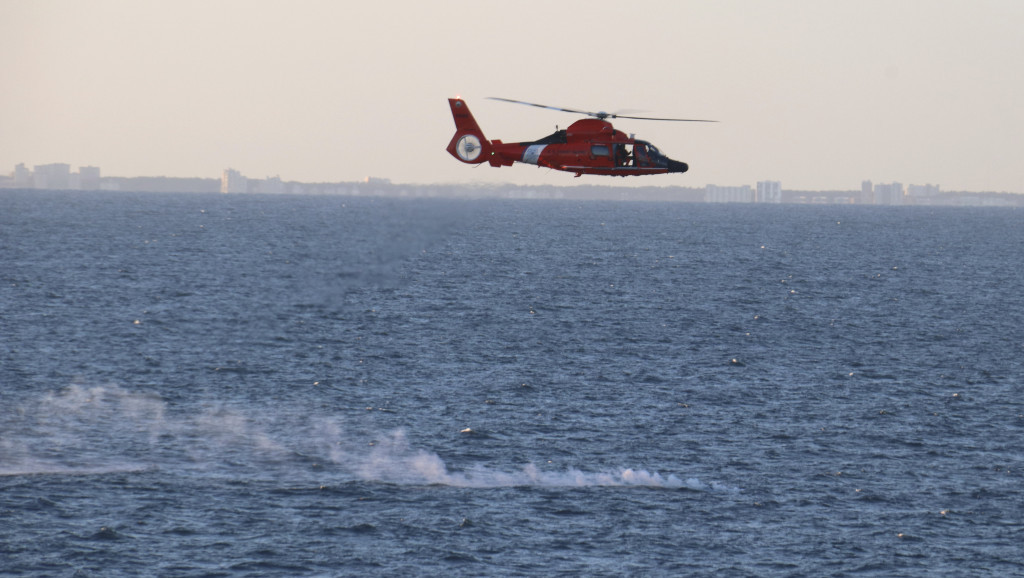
point(817, 94)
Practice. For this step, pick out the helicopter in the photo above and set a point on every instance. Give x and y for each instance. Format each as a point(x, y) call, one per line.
point(590, 146)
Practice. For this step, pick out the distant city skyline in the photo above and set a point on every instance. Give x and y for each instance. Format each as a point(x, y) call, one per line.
point(58, 176)
point(818, 95)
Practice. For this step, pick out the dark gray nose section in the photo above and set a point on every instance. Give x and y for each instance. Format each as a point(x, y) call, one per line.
point(677, 167)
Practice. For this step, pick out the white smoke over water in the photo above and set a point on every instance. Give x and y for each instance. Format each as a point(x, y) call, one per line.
point(98, 430)
point(395, 461)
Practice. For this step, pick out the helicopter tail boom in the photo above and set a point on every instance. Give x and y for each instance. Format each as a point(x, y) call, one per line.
point(469, 144)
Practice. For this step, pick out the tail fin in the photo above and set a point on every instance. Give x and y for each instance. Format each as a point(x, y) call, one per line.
point(469, 144)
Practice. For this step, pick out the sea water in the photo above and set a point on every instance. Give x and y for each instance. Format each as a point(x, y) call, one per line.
point(220, 385)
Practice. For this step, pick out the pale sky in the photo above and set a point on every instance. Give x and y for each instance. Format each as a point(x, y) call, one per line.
point(817, 94)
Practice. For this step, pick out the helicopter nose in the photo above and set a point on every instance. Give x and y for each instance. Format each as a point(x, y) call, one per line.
point(677, 167)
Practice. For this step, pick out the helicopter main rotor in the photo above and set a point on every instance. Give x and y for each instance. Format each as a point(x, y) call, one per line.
point(599, 115)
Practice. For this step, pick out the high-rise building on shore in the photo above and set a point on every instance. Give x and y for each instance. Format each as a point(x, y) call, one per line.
point(88, 179)
point(56, 176)
point(768, 192)
point(890, 194)
point(738, 194)
point(232, 181)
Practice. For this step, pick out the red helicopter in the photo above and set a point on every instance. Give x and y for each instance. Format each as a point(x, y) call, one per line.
point(590, 146)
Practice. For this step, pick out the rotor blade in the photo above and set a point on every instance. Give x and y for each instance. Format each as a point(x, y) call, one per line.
point(652, 118)
point(601, 115)
point(542, 105)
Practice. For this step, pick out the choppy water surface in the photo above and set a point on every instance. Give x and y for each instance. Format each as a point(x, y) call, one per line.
point(199, 385)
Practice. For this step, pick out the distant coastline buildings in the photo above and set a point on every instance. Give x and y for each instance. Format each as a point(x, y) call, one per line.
point(769, 192)
point(54, 176)
point(59, 176)
point(232, 181)
point(881, 194)
point(737, 194)
point(765, 192)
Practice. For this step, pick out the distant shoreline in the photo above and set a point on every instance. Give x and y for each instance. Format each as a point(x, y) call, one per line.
point(383, 188)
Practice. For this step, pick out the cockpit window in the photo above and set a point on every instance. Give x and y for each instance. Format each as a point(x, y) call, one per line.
point(653, 150)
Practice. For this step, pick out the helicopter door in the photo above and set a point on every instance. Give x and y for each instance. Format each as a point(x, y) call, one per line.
point(643, 158)
point(623, 155)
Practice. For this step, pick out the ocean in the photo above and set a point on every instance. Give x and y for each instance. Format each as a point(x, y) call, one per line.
point(222, 385)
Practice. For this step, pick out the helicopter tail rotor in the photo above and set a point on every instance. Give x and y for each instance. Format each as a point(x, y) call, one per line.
point(469, 144)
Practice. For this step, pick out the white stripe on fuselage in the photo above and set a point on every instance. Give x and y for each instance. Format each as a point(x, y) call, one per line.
point(532, 153)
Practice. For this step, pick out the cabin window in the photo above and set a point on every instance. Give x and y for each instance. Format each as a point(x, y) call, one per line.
point(599, 150)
